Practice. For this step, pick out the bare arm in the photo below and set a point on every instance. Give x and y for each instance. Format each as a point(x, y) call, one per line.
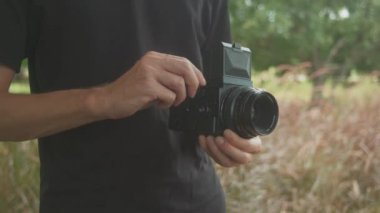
point(156, 78)
point(30, 116)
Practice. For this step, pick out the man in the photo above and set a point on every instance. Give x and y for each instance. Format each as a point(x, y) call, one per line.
point(103, 75)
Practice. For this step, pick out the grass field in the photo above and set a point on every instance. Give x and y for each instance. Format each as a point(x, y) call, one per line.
point(319, 159)
point(324, 159)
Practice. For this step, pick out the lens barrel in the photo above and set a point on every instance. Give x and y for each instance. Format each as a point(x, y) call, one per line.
point(248, 111)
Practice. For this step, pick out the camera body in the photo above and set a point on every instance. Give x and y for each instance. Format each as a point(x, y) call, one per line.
point(229, 100)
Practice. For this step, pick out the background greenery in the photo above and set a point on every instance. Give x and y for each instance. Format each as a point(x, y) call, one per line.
point(321, 60)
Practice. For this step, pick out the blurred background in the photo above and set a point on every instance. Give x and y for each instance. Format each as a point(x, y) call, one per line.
point(321, 59)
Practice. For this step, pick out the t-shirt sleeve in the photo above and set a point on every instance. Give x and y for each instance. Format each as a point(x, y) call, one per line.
point(13, 33)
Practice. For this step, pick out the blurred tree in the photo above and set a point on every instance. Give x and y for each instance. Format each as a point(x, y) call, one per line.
point(335, 36)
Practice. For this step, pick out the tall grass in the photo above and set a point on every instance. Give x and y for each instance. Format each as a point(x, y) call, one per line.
point(19, 171)
point(324, 159)
point(19, 177)
point(321, 159)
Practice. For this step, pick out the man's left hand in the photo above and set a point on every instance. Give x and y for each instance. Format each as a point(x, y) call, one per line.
point(230, 149)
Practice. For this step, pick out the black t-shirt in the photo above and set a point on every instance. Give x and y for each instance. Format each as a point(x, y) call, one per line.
point(135, 164)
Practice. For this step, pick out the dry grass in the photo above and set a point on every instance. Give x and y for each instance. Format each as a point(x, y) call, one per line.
point(322, 159)
point(19, 177)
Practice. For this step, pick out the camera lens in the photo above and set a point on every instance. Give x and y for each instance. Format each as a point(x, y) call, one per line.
point(248, 111)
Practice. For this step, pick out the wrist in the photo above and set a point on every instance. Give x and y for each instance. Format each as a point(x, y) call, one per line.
point(96, 103)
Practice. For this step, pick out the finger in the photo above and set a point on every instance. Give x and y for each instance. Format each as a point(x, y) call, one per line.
point(217, 155)
point(202, 142)
point(210, 152)
point(200, 76)
point(184, 68)
point(175, 83)
point(164, 97)
point(233, 153)
point(252, 145)
point(198, 73)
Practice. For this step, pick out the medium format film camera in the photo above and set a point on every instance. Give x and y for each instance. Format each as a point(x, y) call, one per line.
point(228, 101)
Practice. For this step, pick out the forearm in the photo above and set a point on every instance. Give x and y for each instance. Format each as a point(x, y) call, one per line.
point(165, 80)
point(32, 116)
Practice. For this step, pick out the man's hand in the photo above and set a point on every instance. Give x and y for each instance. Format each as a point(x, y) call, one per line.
point(162, 79)
point(157, 78)
point(230, 150)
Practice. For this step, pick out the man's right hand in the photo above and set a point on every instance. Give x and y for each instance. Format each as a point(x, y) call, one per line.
point(162, 79)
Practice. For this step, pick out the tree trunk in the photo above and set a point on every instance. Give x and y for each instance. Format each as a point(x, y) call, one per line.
point(317, 90)
point(318, 78)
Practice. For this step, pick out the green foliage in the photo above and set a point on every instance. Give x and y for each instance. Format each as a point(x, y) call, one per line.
point(20, 88)
point(341, 35)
